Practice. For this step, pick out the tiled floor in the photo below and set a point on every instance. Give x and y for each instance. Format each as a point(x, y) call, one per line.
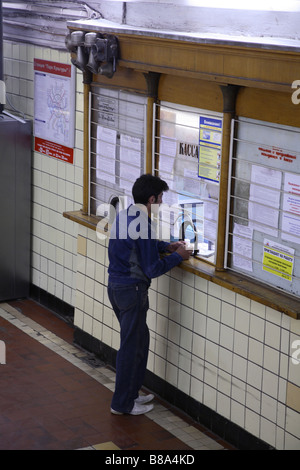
point(54, 396)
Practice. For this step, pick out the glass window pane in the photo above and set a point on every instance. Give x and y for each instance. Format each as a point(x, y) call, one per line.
point(264, 217)
point(188, 157)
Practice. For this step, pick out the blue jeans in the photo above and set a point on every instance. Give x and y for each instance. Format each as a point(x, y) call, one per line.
point(130, 304)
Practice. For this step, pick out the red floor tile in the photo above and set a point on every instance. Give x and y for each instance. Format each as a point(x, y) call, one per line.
point(48, 403)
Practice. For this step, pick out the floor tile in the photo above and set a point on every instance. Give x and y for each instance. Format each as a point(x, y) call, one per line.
point(106, 446)
point(54, 396)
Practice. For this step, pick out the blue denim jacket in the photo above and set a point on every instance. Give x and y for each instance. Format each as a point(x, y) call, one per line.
point(134, 250)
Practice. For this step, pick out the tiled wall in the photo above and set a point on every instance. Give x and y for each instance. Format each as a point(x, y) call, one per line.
point(56, 185)
point(221, 349)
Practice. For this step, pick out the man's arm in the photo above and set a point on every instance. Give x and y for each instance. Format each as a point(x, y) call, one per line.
point(154, 266)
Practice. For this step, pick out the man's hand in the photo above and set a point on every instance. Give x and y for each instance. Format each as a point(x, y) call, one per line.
point(174, 245)
point(183, 251)
point(180, 248)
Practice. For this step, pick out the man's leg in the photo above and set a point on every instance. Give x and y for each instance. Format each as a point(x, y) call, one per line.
point(144, 340)
point(130, 304)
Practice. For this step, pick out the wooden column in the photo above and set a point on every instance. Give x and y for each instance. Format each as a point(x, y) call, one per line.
point(152, 80)
point(87, 80)
point(229, 99)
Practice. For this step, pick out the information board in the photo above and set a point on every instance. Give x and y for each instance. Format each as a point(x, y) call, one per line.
point(54, 109)
point(264, 218)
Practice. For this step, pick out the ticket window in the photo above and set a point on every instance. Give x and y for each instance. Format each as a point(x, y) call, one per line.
point(187, 155)
point(117, 147)
point(264, 211)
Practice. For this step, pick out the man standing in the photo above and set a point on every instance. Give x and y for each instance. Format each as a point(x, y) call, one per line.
point(134, 259)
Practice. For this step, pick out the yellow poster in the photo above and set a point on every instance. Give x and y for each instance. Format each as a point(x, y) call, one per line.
point(278, 260)
point(210, 148)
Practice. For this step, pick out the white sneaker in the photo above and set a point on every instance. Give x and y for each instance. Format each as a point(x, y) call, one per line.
point(142, 399)
point(140, 409)
point(136, 410)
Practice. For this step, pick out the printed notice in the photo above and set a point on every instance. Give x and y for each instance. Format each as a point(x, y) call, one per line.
point(264, 199)
point(54, 108)
point(106, 153)
point(210, 148)
point(242, 247)
point(291, 199)
point(130, 160)
point(278, 259)
point(291, 208)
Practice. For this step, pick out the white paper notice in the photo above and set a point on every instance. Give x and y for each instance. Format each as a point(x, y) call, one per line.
point(107, 135)
point(169, 197)
point(210, 219)
point(242, 247)
point(290, 228)
point(191, 181)
point(106, 153)
point(130, 160)
point(168, 146)
point(128, 175)
point(290, 224)
point(291, 199)
point(264, 202)
point(130, 150)
point(263, 219)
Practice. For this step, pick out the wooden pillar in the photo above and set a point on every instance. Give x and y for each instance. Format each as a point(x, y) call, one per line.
point(229, 99)
point(152, 80)
point(87, 80)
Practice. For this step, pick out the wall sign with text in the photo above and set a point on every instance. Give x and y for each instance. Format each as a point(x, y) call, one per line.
point(54, 109)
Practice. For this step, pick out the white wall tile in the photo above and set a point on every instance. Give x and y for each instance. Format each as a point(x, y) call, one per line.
point(271, 360)
point(253, 399)
point(242, 320)
point(252, 422)
point(214, 308)
point(228, 314)
point(224, 382)
point(238, 413)
point(197, 389)
point(272, 335)
point(210, 397)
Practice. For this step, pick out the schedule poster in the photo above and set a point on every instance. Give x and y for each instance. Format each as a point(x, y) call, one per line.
point(54, 109)
point(210, 148)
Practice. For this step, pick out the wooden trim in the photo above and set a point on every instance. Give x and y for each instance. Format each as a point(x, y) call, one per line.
point(86, 148)
point(264, 105)
point(124, 78)
point(223, 190)
point(81, 218)
point(229, 102)
point(223, 64)
point(149, 143)
point(190, 92)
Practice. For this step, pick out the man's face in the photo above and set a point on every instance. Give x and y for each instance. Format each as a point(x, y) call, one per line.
point(154, 203)
point(159, 199)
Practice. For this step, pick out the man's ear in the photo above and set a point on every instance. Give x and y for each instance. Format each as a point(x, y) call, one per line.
point(152, 200)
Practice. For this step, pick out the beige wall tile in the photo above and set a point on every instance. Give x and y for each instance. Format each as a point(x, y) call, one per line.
point(293, 397)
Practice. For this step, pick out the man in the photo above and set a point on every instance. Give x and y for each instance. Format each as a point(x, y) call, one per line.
point(133, 261)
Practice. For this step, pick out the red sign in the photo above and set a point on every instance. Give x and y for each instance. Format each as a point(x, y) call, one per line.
point(52, 67)
point(54, 150)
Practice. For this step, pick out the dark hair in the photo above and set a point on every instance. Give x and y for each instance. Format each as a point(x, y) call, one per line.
point(147, 186)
